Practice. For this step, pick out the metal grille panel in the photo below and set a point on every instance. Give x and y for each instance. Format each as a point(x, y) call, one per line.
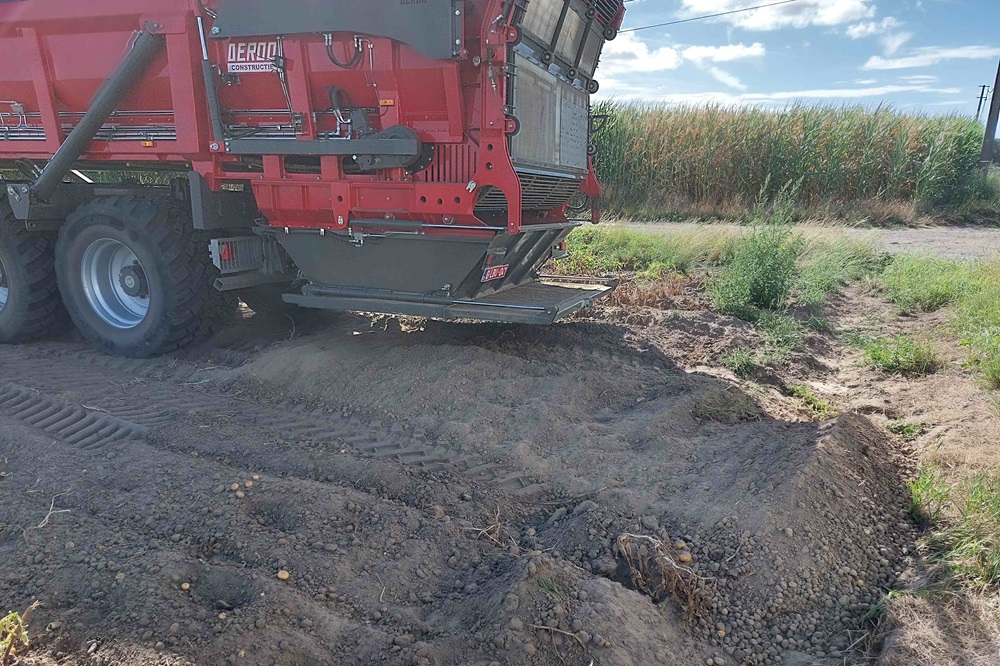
point(452, 164)
point(554, 119)
point(539, 192)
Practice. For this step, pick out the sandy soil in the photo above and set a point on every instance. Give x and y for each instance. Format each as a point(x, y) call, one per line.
point(953, 242)
point(601, 492)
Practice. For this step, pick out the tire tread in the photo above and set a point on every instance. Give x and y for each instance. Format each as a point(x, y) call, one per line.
point(44, 314)
point(200, 310)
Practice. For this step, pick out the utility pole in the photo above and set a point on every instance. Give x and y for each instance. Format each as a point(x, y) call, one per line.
point(986, 159)
point(983, 94)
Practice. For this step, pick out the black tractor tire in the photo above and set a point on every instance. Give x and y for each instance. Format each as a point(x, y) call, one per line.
point(31, 306)
point(266, 301)
point(174, 269)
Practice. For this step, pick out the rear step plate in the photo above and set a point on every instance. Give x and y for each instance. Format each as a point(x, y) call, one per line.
point(542, 302)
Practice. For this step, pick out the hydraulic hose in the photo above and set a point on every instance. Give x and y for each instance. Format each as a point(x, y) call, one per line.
point(353, 62)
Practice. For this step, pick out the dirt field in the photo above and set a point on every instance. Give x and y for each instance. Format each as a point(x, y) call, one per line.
point(600, 492)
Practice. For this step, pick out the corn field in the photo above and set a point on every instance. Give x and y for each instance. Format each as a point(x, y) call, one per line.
point(656, 160)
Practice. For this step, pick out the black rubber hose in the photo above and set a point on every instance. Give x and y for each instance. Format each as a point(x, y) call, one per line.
point(337, 95)
point(354, 61)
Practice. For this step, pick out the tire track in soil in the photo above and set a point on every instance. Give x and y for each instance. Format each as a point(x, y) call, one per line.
point(73, 424)
point(138, 395)
point(230, 555)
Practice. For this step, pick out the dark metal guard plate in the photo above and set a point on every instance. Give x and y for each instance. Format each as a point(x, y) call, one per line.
point(430, 26)
point(543, 302)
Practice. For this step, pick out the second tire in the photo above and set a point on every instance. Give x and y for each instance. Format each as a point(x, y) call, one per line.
point(137, 278)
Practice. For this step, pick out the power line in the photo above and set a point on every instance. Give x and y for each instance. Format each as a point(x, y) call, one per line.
point(708, 16)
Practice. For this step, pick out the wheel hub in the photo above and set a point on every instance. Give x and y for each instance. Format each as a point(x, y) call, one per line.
point(115, 283)
point(133, 281)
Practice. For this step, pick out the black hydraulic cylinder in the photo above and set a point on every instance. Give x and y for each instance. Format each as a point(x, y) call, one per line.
point(147, 46)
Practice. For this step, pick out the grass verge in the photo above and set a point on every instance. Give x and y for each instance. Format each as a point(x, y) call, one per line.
point(919, 283)
point(755, 275)
point(929, 496)
point(901, 355)
point(965, 525)
point(601, 250)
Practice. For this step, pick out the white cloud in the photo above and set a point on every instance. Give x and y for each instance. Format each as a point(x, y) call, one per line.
point(724, 77)
point(931, 55)
point(920, 78)
point(871, 28)
point(891, 37)
point(795, 15)
point(727, 53)
point(628, 53)
point(866, 82)
point(895, 41)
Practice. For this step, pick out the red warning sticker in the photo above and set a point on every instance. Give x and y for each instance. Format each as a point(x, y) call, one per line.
point(495, 273)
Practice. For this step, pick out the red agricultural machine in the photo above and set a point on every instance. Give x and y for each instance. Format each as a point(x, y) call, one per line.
point(163, 157)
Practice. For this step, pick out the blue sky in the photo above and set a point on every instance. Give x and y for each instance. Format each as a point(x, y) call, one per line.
point(928, 55)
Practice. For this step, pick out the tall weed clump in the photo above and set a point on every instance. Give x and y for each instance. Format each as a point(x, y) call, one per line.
point(967, 541)
point(761, 267)
point(657, 159)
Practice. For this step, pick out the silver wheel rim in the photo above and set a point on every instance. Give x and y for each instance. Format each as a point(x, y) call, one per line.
point(4, 289)
point(114, 283)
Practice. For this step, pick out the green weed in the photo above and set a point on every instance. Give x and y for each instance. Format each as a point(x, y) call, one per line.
point(855, 339)
point(782, 333)
point(907, 430)
point(828, 264)
point(919, 283)
point(742, 362)
point(989, 364)
point(761, 267)
point(14, 633)
point(818, 324)
point(978, 319)
point(820, 408)
point(965, 523)
point(902, 355)
point(969, 543)
point(929, 496)
point(549, 585)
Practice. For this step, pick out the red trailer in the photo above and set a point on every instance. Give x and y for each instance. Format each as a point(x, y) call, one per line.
point(162, 157)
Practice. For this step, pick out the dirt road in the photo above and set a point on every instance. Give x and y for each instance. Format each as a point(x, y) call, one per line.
point(953, 242)
point(440, 495)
